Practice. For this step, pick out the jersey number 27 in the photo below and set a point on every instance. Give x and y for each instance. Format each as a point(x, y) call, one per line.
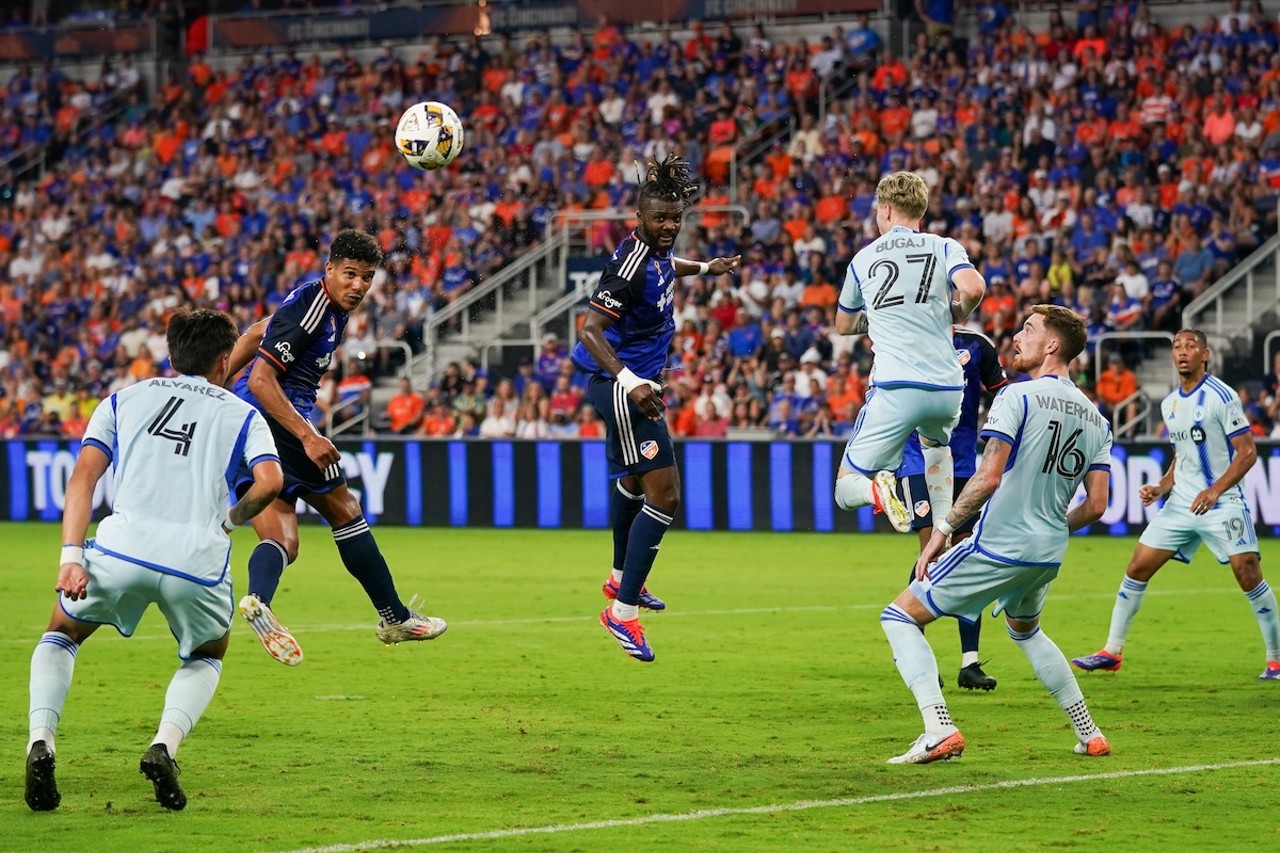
point(884, 297)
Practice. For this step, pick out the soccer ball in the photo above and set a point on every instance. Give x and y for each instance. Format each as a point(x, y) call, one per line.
point(429, 135)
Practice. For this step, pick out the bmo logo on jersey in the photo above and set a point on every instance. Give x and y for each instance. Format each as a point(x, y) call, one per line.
point(286, 352)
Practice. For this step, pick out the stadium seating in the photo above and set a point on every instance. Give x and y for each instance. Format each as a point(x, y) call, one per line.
point(1117, 170)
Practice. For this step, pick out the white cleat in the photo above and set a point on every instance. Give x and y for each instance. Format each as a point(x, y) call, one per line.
point(929, 748)
point(885, 489)
point(417, 627)
point(275, 638)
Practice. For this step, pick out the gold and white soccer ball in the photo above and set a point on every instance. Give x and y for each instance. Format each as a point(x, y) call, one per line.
point(429, 135)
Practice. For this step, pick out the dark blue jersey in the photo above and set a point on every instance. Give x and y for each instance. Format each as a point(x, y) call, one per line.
point(982, 372)
point(636, 290)
point(299, 344)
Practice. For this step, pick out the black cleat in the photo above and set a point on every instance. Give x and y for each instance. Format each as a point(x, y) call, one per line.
point(163, 772)
point(973, 678)
point(42, 788)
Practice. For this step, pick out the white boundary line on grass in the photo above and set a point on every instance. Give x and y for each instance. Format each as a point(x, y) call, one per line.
point(803, 805)
point(591, 617)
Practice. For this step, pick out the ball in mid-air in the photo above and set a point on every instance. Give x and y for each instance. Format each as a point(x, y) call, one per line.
point(429, 135)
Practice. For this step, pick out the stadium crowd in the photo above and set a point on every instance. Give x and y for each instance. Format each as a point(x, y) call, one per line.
point(1107, 163)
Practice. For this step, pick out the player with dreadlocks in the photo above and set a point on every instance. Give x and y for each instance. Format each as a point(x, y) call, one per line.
point(624, 345)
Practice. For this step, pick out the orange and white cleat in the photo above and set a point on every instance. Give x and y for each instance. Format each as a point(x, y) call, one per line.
point(275, 638)
point(1096, 746)
point(929, 748)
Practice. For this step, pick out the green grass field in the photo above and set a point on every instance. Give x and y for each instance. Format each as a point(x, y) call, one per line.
point(773, 687)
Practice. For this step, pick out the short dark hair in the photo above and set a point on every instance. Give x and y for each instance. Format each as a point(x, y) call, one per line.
point(1197, 334)
point(1065, 325)
point(353, 245)
point(197, 338)
point(668, 180)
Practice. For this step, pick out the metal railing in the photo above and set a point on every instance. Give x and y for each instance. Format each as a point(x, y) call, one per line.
point(406, 370)
point(504, 287)
point(361, 419)
point(1121, 428)
point(1267, 358)
point(1207, 311)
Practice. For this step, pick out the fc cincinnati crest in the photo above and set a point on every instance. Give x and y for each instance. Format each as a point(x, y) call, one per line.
point(963, 356)
point(649, 449)
point(922, 508)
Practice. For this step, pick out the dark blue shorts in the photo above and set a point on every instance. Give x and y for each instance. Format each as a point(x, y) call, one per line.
point(301, 476)
point(915, 494)
point(633, 443)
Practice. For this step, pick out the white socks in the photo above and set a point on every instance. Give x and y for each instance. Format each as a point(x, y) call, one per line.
point(968, 659)
point(853, 490)
point(52, 665)
point(939, 478)
point(918, 666)
point(1263, 602)
point(187, 698)
point(1054, 672)
point(1128, 600)
point(617, 575)
point(625, 612)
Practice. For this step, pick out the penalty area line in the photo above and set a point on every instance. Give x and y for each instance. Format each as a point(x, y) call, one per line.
point(803, 805)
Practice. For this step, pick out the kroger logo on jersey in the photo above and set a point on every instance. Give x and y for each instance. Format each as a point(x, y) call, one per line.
point(286, 352)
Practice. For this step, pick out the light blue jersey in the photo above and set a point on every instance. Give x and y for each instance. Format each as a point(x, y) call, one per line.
point(1058, 436)
point(903, 282)
point(1201, 425)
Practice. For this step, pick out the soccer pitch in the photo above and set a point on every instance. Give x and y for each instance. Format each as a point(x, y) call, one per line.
point(764, 723)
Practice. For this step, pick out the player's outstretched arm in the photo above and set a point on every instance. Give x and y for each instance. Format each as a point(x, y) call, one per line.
point(77, 511)
point(1246, 454)
point(970, 287)
point(268, 480)
point(1097, 485)
point(264, 384)
point(246, 345)
point(715, 266)
point(977, 491)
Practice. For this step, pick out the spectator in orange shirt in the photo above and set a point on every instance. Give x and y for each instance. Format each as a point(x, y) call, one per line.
point(75, 423)
point(1219, 124)
point(891, 74)
point(1117, 384)
point(404, 410)
point(439, 422)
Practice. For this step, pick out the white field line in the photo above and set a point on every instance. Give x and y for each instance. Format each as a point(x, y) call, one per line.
point(803, 805)
point(591, 617)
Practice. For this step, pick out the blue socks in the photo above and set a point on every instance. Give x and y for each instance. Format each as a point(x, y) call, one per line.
point(266, 565)
point(623, 509)
point(365, 563)
point(647, 530)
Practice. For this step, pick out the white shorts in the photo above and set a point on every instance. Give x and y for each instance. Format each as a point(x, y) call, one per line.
point(964, 581)
point(888, 419)
point(1227, 530)
point(119, 593)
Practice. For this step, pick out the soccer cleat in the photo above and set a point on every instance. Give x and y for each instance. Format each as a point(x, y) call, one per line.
point(417, 627)
point(629, 635)
point(163, 772)
point(1272, 672)
point(42, 789)
point(929, 748)
point(1099, 660)
point(648, 600)
point(973, 678)
point(884, 489)
point(275, 638)
point(1096, 746)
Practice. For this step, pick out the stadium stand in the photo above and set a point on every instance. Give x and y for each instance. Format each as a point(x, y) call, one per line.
point(1115, 165)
